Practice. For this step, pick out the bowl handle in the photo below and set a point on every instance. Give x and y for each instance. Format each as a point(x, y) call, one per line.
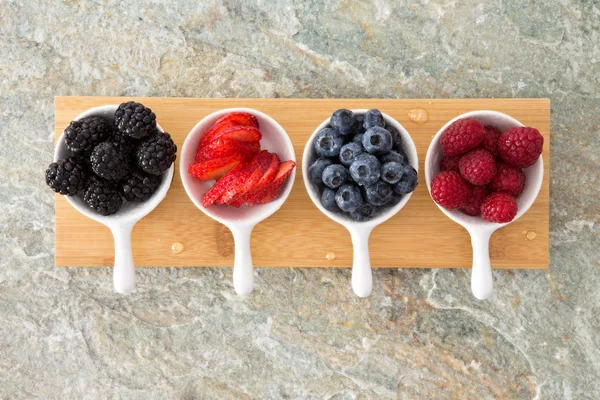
point(124, 269)
point(482, 283)
point(243, 274)
point(362, 277)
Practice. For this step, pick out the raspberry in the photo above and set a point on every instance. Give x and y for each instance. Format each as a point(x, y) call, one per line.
point(520, 147)
point(478, 167)
point(500, 208)
point(448, 163)
point(490, 140)
point(462, 136)
point(473, 204)
point(508, 179)
point(450, 190)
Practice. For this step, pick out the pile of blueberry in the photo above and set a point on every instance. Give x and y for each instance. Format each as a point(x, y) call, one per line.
point(361, 166)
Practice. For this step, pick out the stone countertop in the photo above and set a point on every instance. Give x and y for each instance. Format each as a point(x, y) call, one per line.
point(303, 334)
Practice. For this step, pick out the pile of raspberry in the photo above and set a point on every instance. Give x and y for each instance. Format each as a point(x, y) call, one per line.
point(481, 172)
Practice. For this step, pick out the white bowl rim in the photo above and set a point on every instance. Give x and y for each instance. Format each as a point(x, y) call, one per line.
point(260, 212)
point(307, 158)
point(457, 215)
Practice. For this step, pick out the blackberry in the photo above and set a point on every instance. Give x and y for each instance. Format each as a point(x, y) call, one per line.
point(139, 186)
point(110, 161)
point(156, 154)
point(135, 120)
point(126, 142)
point(81, 136)
point(103, 196)
point(67, 176)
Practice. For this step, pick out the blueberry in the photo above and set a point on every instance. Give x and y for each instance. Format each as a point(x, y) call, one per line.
point(358, 138)
point(328, 200)
point(342, 121)
point(328, 143)
point(359, 120)
point(315, 171)
point(364, 212)
point(348, 197)
point(365, 170)
point(377, 141)
point(408, 181)
point(396, 137)
point(334, 175)
point(373, 118)
point(349, 152)
point(379, 193)
point(391, 172)
point(394, 156)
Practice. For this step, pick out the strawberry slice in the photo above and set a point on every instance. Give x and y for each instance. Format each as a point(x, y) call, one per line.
point(240, 133)
point(214, 169)
point(257, 167)
point(215, 130)
point(227, 121)
point(265, 179)
point(226, 147)
point(240, 118)
point(273, 189)
point(219, 188)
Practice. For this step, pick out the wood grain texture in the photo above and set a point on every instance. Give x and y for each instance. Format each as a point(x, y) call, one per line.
point(298, 235)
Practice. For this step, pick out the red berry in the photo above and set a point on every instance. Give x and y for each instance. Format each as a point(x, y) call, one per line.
point(490, 140)
point(462, 136)
point(500, 208)
point(478, 167)
point(450, 190)
point(508, 179)
point(473, 204)
point(520, 147)
point(448, 163)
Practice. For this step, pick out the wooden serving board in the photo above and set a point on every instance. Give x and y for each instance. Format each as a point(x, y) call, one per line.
point(298, 235)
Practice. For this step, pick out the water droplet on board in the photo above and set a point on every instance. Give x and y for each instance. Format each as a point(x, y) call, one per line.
point(418, 115)
point(530, 235)
point(177, 247)
point(330, 256)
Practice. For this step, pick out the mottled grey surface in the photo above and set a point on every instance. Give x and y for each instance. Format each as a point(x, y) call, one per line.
point(302, 335)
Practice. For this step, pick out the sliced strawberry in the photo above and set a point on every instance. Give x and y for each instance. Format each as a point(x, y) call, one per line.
point(257, 167)
point(219, 188)
point(214, 169)
point(265, 179)
point(236, 186)
point(241, 133)
point(226, 147)
point(227, 121)
point(215, 130)
point(274, 188)
point(240, 118)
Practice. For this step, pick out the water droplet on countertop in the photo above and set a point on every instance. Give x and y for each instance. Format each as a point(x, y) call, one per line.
point(530, 235)
point(418, 115)
point(177, 247)
point(330, 256)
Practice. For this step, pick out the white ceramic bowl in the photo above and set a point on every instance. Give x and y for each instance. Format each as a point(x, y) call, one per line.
point(362, 280)
point(121, 223)
point(241, 220)
point(479, 229)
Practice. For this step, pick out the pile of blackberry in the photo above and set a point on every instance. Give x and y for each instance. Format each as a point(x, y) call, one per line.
point(361, 167)
point(113, 159)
